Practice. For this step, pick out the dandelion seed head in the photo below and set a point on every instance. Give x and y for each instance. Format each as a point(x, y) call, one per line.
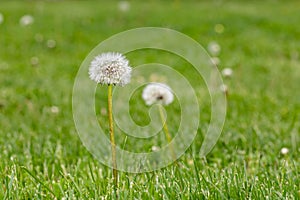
point(214, 48)
point(54, 109)
point(34, 61)
point(51, 44)
point(157, 93)
point(227, 72)
point(124, 6)
point(284, 151)
point(110, 68)
point(26, 20)
point(219, 28)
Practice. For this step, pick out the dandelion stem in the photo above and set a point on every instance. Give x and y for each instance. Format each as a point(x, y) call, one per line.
point(112, 137)
point(166, 130)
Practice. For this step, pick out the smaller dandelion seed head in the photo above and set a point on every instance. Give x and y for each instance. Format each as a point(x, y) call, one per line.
point(219, 28)
point(214, 48)
point(54, 109)
point(111, 69)
point(157, 93)
point(51, 43)
point(284, 151)
point(227, 72)
point(26, 20)
point(34, 61)
point(124, 6)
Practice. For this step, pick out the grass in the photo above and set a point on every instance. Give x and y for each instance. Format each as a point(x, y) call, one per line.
point(42, 156)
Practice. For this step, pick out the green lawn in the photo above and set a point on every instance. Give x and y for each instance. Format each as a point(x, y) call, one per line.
point(41, 155)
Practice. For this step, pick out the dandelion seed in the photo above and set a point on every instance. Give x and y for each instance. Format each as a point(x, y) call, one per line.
point(51, 44)
point(1, 18)
point(124, 6)
point(214, 48)
point(219, 28)
point(157, 93)
point(284, 151)
point(227, 72)
point(34, 61)
point(54, 109)
point(111, 69)
point(215, 60)
point(26, 20)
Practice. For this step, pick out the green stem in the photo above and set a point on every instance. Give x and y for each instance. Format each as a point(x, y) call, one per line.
point(166, 130)
point(112, 137)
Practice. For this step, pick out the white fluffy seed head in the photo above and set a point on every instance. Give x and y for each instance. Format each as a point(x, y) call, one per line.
point(26, 20)
point(227, 72)
point(284, 151)
point(124, 6)
point(157, 93)
point(214, 48)
point(110, 69)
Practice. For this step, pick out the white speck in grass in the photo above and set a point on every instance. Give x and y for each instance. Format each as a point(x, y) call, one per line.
point(216, 61)
point(219, 28)
point(214, 48)
point(54, 109)
point(131, 184)
point(34, 61)
point(155, 148)
point(26, 20)
point(51, 44)
point(110, 69)
point(1, 18)
point(39, 37)
point(157, 93)
point(227, 72)
point(124, 6)
point(284, 151)
point(190, 162)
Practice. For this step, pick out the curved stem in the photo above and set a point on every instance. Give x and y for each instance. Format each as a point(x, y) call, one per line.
point(166, 130)
point(112, 137)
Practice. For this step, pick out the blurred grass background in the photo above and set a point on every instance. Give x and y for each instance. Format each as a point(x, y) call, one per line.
point(41, 153)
